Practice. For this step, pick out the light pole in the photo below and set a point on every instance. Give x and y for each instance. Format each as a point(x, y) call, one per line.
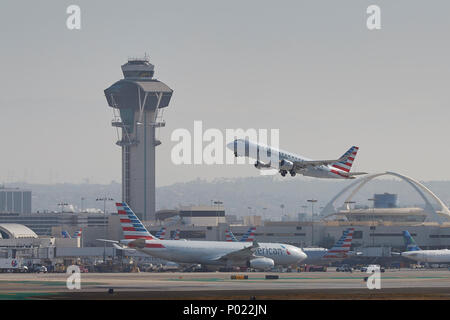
point(104, 199)
point(373, 220)
point(312, 201)
point(62, 204)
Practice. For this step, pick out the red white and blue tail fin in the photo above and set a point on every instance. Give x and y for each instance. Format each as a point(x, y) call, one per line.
point(161, 234)
point(229, 236)
point(249, 236)
point(341, 248)
point(78, 233)
point(346, 161)
point(132, 227)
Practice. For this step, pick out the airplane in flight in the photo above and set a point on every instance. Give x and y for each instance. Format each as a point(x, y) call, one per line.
point(413, 252)
point(339, 251)
point(291, 163)
point(249, 236)
point(261, 256)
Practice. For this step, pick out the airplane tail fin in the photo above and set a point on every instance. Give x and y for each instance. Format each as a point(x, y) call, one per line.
point(346, 161)
point(65, 234)
point(161, 234)
point(132, 227)
point(409, 242)
point(78, 233)
point(229, 236)
point(249, 236)
point(177, 235)
point(342, 247)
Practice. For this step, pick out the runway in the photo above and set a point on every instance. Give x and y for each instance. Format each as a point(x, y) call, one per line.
point(395, 284)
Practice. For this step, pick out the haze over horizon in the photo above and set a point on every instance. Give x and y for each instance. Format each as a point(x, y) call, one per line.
point(310, 69)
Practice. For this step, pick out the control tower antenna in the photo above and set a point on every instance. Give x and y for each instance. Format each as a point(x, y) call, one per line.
point(138, 100)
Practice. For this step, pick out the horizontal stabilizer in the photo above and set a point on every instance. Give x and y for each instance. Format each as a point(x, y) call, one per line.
point(356, 173)
point(106, 240)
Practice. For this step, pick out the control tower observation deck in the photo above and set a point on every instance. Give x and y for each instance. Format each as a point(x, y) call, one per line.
point(138, 101)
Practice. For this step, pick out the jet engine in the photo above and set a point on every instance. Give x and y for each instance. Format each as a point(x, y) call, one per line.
point(286, 165)
point(262, 263)
point(260, 165)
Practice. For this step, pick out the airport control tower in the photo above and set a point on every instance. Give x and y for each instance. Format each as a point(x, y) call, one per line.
point(138, 101)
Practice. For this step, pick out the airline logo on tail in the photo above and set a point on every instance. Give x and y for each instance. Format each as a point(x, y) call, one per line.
point(409, 242)
point(346, 160)
point(249, 236)
point(77, 234)
point(161, 234)
point(131, 226)
point(65, 234)
point(177, 235)
point(229, 236)
point(342, 246)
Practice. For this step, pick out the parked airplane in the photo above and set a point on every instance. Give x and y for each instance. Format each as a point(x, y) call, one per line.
point(249, 236)
point(220, 253)
point(340, 250)
point(292, 163)
point(415, 253)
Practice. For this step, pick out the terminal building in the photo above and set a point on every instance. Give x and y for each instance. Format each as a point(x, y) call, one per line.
point(15, 200)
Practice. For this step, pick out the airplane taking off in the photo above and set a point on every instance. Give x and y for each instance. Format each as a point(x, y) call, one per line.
point(249, 236)
point(340, 250)
point(261, 256)
point(413, 252)
point(289, 162)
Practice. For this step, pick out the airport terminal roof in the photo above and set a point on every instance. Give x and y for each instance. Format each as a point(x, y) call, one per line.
point(16, 231)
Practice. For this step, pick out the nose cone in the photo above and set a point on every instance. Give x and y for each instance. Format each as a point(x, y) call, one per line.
point(298, 254)
point(230, 145)
point(302, 255)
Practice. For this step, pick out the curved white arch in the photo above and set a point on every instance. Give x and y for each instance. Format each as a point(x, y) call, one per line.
point(329, 209)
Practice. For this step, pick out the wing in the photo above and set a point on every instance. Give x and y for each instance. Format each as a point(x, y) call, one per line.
point(239, 255)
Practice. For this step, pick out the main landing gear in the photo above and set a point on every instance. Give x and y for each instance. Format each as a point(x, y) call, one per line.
point(284, 173)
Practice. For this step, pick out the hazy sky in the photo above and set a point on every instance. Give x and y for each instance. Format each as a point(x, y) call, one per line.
point(309, 68)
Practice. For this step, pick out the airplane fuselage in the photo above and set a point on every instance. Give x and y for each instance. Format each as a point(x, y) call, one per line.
point(209, 252)
point(431, 256)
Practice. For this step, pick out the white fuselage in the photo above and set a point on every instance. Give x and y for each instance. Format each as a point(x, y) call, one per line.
point(265, 153)
point(432, 256)
point(209, 252)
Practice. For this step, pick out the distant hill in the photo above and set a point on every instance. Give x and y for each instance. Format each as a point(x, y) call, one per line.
point(237, 194)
